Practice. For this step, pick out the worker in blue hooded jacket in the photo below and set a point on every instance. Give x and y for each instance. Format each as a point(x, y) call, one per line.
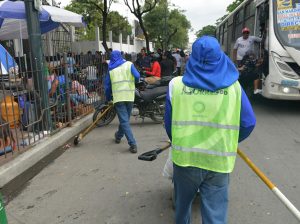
point(120, 87)
point(207, 114)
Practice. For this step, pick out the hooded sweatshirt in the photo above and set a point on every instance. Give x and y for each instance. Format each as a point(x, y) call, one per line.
point(210, 69)
point(116, 60)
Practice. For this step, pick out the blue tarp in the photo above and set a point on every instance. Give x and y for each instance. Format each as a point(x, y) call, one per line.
point(7, 61)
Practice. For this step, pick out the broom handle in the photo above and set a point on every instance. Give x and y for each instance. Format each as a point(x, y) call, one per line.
point(270, 185)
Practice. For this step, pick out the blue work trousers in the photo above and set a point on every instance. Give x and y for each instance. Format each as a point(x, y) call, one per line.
point(213, 188)
point(124, 111)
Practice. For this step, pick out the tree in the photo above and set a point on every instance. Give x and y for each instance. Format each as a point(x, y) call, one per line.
point(94, 7)
point(230, 8)
point(138, 10)
point(209, 30)
point(233, 6)
point(177, 20)
point(93, 17)
point(118, 24)
point(169, 29)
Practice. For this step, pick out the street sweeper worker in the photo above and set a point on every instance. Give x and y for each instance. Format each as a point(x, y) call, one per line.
point(120, 83)
point(207, 114)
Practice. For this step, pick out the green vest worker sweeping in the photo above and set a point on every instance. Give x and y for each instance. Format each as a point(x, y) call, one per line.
point(214, 117)
point(120, 83)
point(207, 114)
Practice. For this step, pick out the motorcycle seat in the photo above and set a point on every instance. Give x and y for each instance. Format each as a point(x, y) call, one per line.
point(164, 81)
point(150, 94)
point(154, 85)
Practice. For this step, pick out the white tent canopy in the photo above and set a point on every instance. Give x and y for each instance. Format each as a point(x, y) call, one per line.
point(13, 19)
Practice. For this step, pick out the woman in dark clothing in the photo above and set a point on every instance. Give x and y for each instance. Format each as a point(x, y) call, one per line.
point(167, 65)
point(172, 58)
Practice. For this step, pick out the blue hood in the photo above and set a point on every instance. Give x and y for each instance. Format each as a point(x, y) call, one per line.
point(208, 67)
point(116, 60)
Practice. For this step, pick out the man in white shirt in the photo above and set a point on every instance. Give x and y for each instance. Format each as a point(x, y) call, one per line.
point(178, 61)
point(244, 44)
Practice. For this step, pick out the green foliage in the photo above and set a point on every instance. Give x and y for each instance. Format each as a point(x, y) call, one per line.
point(234, 5)
point(93, 17)
point(206, 30)
point(118, 24)
point(230, 8)
point(165, 25)
point(178, 20)
point(90, 13)
point(221, 19)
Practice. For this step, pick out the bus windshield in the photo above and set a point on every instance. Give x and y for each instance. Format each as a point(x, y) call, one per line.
point(287, 22)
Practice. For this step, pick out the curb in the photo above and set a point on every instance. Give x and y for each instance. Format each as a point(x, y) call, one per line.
point(21, 163)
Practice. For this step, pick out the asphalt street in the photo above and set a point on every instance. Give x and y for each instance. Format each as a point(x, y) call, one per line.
point(100, 182)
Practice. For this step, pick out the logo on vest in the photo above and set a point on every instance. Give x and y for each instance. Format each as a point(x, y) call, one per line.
point(192, 91)
point(199, 107)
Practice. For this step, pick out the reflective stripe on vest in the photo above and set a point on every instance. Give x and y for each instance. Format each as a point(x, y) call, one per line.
point(122, 83)
point(205, 126)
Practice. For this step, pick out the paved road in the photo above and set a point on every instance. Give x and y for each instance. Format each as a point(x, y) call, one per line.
point(102, 183)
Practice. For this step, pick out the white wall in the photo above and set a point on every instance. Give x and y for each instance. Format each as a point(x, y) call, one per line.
point(85, 46)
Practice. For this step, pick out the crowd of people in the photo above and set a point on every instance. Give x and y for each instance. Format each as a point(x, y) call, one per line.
point(153, 66)
point(156, 65)
point(83, 72)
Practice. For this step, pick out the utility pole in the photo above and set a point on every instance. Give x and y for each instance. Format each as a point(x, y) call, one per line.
point(32, 8)
point(165, 25)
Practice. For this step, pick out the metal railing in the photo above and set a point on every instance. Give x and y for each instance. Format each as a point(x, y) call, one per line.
point(74, 88)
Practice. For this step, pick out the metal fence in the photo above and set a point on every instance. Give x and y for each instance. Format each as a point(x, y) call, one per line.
point(74, 86)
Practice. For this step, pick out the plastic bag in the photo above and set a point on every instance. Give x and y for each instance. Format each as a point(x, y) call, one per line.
point(168, 168)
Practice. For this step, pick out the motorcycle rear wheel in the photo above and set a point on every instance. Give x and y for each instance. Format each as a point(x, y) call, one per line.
point(158, 112)
point(107, 118)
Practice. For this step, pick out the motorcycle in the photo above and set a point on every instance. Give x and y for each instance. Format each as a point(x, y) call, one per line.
point(149, 102)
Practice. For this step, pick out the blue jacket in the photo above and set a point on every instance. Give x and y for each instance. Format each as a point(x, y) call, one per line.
point(210, 69)
point(116, 60)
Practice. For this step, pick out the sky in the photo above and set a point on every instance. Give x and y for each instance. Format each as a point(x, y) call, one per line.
point(199, 12)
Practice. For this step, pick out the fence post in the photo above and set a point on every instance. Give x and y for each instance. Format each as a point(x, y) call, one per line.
point(39, 74)
point(67, 89)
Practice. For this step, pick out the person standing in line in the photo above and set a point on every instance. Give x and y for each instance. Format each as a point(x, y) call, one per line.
point(143, 61)
point(167, 65)
point(71, 63)
point(177, 56)
point(207, 114)
point(242, 45)
point(120, 83)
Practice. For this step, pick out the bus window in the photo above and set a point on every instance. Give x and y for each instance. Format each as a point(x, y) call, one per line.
point(225, 43)
point(250, 15)
point(222, 40)
point(217, 34)
point(287, 23)
point(238, 24)
point(221, 34)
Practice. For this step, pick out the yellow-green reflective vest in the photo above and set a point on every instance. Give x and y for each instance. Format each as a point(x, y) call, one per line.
point(205, 126)
point(122, 83)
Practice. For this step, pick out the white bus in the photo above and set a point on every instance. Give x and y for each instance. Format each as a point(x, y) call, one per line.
point(278, 21)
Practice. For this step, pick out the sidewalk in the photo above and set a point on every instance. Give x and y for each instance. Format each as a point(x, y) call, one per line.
point(99, 182)
point(24, 161)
